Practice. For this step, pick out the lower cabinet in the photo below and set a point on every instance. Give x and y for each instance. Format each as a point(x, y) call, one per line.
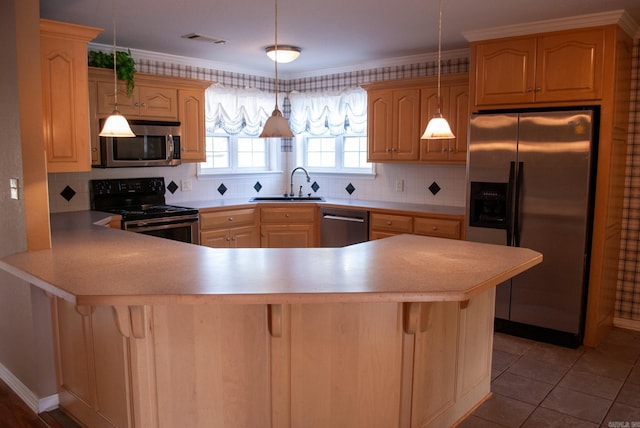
point(230, 228)
point(383, 224)
point(312, 365)
point(288, 227)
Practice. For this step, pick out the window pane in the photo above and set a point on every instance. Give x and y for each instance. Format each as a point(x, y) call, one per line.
point(321, 152)
point(355, 152)
point(252, 153)
point(217, 151)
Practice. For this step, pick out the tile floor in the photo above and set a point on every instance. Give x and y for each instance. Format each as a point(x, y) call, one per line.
point(540, 385)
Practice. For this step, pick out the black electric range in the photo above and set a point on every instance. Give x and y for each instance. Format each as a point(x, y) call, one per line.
point(141, 204)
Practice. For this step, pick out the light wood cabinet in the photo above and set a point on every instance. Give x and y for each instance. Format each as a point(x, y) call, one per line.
point(455, 108)
point(288, 227)
point(154, 98)
point(394, 121)
point(385, 224)
point(146, 102)
point(399, 111)
point(555, 67)
point(230, 228)
point(63, 58)
point(191, 105)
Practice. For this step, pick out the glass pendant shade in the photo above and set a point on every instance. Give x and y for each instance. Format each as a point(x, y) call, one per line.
point(283, 53)
point(116, 125)
point(276, 126)
point(438, 128)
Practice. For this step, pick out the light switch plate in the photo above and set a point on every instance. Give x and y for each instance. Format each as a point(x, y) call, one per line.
point(186, 185)
point(13, 187)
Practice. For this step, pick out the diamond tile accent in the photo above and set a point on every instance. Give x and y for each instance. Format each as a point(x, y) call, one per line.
point(222, 189)
point(68, 193)
point(172, 187)
point(257, 186)
point(434, 188)
point(350, 189)
point(315, 186)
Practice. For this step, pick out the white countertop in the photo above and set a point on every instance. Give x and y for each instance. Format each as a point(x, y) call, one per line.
point(95, 265)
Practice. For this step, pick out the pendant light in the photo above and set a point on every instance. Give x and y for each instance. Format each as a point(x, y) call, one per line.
point(116, 125)
point(438, 127)
point(276, 126)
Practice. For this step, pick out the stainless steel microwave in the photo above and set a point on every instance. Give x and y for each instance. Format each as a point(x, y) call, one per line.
point(156, 143)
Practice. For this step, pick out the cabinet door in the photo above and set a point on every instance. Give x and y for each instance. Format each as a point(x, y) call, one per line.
point(505, 71)
point(458, 117)
point(287, 236)
point(406, 126)
point(191, 114)
point(127, 105)
point(434, 150)
point(570, 66)
point(215, 238)
point(380, 124)
point(65, 96)
point(245, 237)
point(158, 102)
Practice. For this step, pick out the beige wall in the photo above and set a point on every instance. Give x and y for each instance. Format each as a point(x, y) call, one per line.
point(25, 328)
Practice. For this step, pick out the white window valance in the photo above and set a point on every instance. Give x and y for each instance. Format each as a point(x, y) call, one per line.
point(238, 110)
point(319, 113)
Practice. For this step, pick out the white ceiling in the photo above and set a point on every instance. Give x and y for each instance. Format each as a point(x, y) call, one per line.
point(333, 34)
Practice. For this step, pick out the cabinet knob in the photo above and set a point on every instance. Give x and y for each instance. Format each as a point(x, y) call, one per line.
point(93, 149)
point(137, 104)
point(388, 223)
point(434, 228)
point(529, 89)
point(538, 89)
point(233, 238)
point(230, 219)
point(286, 214)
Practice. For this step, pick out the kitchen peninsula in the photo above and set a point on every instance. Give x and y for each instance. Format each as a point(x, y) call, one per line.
point(395, 332)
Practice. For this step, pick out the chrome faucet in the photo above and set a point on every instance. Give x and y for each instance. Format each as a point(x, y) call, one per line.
point(291, 181)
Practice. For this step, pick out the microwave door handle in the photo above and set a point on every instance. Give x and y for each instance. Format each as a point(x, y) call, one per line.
point(170, 147)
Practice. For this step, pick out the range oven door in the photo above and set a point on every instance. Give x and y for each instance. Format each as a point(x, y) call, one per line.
point(178, 228)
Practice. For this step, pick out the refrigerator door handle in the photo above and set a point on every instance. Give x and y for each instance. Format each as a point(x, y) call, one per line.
point(509, 208)
point(516, 210)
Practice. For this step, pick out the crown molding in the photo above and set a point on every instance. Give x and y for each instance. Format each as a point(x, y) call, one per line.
point(618, 17)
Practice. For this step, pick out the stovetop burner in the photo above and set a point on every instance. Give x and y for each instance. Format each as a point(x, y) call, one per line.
point(134, 198)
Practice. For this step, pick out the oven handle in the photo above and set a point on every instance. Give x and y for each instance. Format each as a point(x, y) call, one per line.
point(177, 220)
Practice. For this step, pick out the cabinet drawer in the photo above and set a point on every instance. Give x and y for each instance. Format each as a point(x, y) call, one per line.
point(288, 214)
point(391, 223)
point(438, 227)
point(225, 219)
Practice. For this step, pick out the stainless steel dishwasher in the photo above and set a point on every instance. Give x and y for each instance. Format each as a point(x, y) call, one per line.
point(341, 227)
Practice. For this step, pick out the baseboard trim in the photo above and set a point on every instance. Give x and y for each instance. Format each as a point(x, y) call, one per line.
point(38, 405)
point(627, 323)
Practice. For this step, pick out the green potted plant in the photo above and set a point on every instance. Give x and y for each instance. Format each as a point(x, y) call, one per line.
point(125, 66)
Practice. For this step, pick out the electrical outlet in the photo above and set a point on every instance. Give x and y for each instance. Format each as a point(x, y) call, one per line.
point(13, 187)
point(399, 185)
point(186, 185)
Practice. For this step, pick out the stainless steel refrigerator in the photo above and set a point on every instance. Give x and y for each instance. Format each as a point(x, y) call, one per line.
point(530, 184)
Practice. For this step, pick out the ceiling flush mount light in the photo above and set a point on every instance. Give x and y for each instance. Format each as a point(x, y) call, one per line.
point(438, 127)
point(116, 125)
point(276, 126)
point(283, 53)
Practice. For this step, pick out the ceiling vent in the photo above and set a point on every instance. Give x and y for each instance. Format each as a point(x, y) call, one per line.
point(203, 38)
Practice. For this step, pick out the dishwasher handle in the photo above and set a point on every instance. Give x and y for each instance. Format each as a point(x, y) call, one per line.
point(342, 218)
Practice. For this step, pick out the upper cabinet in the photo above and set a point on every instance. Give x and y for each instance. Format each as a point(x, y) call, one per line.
point(398, 113)
point(562, 66)
point(65, 100)
point(153, 98)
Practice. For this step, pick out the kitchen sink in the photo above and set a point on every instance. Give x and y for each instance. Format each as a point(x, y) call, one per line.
point(286, 198)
